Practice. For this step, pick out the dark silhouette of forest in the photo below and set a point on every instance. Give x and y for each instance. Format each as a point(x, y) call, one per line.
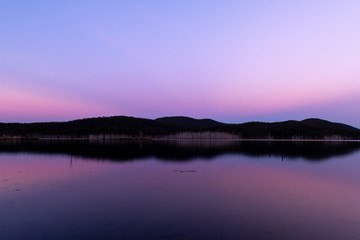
point(180, 127)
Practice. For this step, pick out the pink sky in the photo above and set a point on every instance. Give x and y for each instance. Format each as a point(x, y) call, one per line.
point(232, 61)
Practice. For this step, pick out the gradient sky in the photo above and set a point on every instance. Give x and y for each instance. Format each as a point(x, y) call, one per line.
point(233, 61)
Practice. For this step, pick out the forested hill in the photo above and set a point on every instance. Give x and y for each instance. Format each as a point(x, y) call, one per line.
point(306, 129)
point(181, 127)
point(189, 123)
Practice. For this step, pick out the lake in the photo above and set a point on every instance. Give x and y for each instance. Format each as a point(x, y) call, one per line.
point(179, 190)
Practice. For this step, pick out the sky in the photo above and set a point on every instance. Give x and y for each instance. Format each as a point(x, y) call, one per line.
point(232, 61)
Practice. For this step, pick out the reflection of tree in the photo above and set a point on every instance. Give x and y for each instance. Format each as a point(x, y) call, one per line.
point(183, 150)
point(71, 161)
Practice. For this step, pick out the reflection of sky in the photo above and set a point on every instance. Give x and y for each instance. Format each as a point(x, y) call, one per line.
point(233, 196)
point(232, 61)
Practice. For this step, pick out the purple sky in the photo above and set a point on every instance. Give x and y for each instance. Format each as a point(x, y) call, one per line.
point(233, 61)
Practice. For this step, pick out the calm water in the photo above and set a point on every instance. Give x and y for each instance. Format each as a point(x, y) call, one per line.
point(179, 190)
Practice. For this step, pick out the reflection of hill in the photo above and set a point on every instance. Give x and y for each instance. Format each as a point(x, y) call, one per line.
point(183, 150)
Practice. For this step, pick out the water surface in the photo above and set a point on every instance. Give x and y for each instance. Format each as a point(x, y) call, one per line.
point(179, 190)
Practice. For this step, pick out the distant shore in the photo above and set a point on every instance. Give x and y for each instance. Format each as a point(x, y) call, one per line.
point(74, 138)
point(179, 128)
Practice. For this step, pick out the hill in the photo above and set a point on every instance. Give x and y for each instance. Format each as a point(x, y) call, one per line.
point(189, 123)
point(117, 125)
point(306, 129)
point(180, 127)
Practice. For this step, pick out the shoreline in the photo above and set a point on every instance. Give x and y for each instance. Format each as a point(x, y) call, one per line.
point(22, 138)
